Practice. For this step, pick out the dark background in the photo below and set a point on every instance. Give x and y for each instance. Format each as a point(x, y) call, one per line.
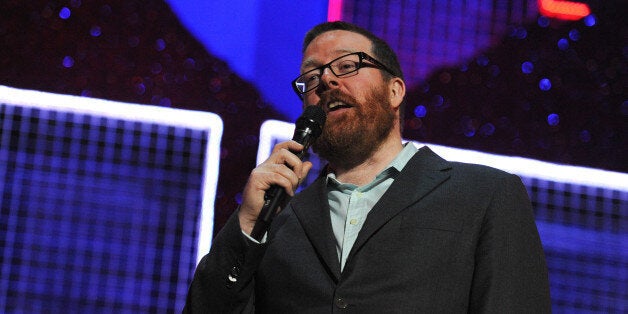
point(505, 111)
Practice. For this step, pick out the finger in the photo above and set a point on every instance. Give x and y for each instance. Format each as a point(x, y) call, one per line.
point(285, 154)
point(289, 145)
point(306, 166)
point(275, 174)
point(288, 179)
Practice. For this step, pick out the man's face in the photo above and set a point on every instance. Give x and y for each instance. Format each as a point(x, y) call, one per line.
point(358, 107)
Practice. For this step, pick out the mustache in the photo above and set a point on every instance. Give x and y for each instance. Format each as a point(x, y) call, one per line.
point(335, 95)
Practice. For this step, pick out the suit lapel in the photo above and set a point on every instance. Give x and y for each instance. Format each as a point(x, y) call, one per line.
point(312, 210)
point(423, 173)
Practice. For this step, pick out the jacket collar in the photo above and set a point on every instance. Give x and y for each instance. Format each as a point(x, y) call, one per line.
point(422, 174)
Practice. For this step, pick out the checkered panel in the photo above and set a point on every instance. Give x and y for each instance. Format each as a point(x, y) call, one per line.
point(584, 230)
point(98, 214)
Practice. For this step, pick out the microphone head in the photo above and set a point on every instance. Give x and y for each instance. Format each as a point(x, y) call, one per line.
point(313, 118)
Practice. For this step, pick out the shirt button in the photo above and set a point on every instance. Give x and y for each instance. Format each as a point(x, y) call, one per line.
point(353, 221)
point(341, 303)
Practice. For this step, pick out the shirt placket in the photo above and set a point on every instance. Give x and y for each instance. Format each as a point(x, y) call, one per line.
point(353, 222)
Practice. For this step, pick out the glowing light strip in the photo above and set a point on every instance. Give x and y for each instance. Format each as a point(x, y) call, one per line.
point(564, 10)
point(575, 240)
point(107, 108)
point(334, 10)
point(269, 131)
point(198, 120)
point(273, 130)
point(210, 183)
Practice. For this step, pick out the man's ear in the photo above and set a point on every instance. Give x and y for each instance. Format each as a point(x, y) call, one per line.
point(397, 89)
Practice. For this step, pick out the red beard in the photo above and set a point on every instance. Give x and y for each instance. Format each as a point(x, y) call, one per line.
point(353, 137)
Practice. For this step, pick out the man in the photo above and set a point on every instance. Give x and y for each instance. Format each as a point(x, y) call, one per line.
point(387, 228)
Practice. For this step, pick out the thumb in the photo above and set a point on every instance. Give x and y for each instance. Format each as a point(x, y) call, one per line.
point(305, 169)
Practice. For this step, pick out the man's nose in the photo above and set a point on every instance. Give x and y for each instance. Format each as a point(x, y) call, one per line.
point(328, 80)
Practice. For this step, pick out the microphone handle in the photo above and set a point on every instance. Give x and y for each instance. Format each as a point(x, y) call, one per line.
point(274, 198)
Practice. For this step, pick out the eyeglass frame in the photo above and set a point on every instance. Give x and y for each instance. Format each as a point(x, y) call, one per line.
point(360, 64)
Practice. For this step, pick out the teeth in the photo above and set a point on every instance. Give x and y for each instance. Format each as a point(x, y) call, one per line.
point(335, 104)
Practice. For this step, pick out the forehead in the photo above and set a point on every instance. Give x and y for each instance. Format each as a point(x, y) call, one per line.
point(332, 44)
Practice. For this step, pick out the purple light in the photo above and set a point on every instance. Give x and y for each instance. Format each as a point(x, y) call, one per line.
point(420, 111)
point(469, 126)
point(68, 62)
point(585, 136)
point(482, 60)
point(590, 20)
point(574, 34)
point(189, 63)
point(527, 67)
point(487, 129)
point(424, 87)
point(64, 13)
point(553, 119)
point(494, 70)
point(140, 88)
point(520, 33)
point(438, 100)
point(160, 44)
point(563, 44)
point(543, 21)
point(545, 84)
point(95, 31)
point(165, 102)
point(156, 68)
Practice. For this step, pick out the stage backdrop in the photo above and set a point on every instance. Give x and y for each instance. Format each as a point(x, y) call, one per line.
point(493, 76)
point(104, 206)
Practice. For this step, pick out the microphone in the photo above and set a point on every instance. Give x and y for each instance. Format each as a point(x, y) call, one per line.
point(308, 128)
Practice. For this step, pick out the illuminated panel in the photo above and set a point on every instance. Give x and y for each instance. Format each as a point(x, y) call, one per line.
point(428, 35)
point(105, 206)
point(581, 214)
point(564, 10)
point(273, 132)
point(334, 10)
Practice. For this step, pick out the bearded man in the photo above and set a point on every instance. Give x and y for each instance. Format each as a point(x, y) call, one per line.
point(387, 228)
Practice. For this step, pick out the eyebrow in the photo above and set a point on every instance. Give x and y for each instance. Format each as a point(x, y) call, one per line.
point(313, 63)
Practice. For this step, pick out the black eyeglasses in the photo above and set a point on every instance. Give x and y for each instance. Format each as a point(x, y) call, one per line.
point(346, 65)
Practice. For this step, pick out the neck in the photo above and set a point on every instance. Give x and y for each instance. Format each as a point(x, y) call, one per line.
point(366, 171)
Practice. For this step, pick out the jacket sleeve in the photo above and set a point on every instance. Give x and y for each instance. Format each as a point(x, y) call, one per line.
point(223, 280)
point(510, 273)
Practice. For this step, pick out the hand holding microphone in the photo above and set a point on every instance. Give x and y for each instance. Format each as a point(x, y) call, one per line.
point(272, 183)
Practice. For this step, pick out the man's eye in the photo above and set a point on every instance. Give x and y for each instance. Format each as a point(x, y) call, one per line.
point(346, 66)
point(311, 78)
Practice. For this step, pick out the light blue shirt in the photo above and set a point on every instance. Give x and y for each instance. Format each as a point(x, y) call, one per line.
point(350, 204)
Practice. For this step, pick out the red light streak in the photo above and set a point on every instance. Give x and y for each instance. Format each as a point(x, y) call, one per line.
point(564, 10)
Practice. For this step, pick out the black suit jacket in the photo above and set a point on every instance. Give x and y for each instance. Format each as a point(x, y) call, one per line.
point(445, 238)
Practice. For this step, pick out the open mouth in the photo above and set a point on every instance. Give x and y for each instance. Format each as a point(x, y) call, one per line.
point(336, 105)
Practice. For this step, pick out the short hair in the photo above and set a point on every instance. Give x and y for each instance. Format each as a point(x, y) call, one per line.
point(380, 49)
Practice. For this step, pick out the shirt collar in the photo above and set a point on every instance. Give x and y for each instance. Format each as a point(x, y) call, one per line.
point(395, 166)
point(403, 157)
